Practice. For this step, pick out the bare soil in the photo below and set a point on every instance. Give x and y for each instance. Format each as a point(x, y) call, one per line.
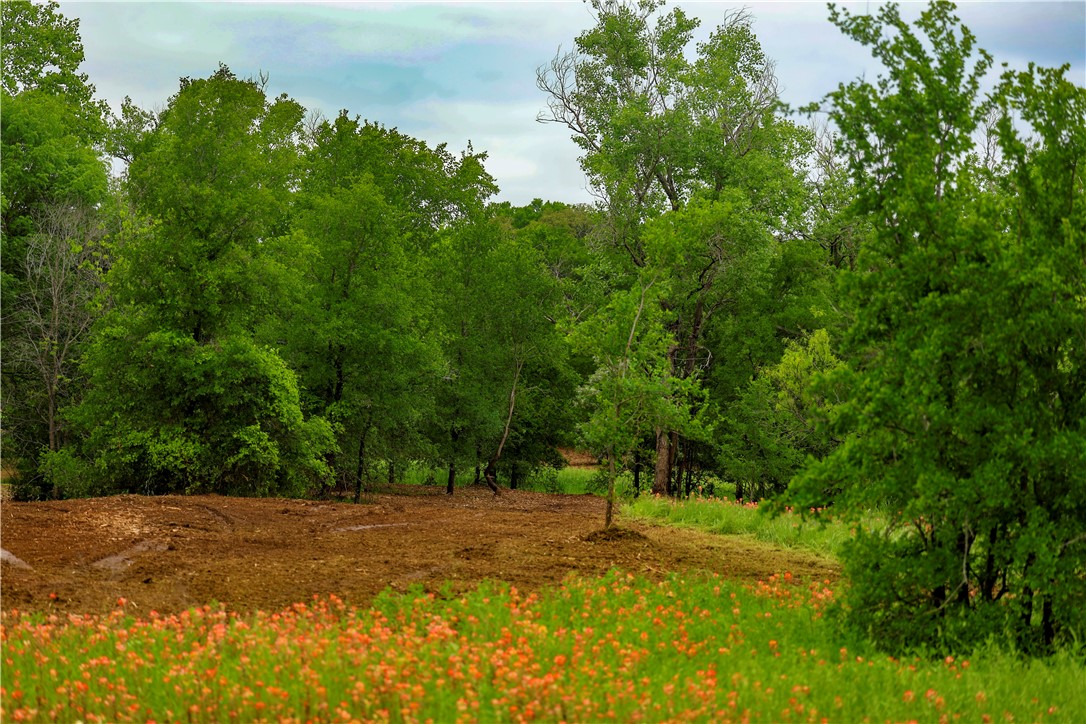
point(171, 553)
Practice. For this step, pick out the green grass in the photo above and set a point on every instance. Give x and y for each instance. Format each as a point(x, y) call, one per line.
point(726, 517)
point(617, 648)
point(567, 480)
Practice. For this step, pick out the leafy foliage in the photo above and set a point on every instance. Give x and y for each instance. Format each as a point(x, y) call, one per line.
point(772, 429)
point(966, 356)
point(182, 397)
point(52, 180)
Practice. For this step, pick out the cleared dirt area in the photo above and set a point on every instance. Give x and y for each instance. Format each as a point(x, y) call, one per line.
point(171, 553)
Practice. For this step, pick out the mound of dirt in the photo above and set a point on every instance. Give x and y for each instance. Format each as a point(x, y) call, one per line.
point(171, 553)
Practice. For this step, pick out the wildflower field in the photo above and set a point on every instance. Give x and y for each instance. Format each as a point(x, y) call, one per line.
point(616, 648)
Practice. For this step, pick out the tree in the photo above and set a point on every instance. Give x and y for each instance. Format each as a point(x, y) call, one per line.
point(357, 335)
point(62, 281)
point(50, 173)
point(966, 360)
point(182, 396)
point(772, 429)
point(43, 52)
point(662, 128)
point(496, 302)
point(633, 388)
point(363, 332)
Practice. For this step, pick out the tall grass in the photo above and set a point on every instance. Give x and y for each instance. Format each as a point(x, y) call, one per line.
point(717, 515)
point(568, 480)
point(618, 648)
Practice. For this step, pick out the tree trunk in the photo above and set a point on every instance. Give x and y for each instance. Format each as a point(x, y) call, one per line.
point(637, 472)
point(360, 469)
point(454, 435)
point(491, 473)
point(675, 479)
point(53, 447)
point(662, 473)
point(514, 469)
point(391, 472)
point(610, 488)
point(1048, 623)
point(688, 471)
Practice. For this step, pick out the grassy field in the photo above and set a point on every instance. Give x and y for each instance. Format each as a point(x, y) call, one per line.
point(726, 517)
point(568, 480)
point(619, 648)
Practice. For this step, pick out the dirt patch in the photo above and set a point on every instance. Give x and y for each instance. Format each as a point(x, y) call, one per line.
point(614, 533)
point(171, 553)
point(579, 458)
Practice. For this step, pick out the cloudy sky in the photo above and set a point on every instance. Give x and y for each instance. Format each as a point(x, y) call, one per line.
point(454, 72)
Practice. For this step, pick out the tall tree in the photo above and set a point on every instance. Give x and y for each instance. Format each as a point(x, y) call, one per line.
point(661, 126)
point(363, 334)
point(182, 395)
point(967, 360)
point(496, 301)
point(62, 278)
point(50, 173)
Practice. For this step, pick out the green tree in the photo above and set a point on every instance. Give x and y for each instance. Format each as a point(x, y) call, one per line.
point(496, 301)
point(357, 335)
point(633, 389)
point(772, 429)
point(363, 333)
point(967, 362)
point(42, 49)
point(50, 175)
point(664, 126)
point(182, 396)
point(561, 237)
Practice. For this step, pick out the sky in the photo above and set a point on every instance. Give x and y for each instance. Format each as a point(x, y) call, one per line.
point(465, 71)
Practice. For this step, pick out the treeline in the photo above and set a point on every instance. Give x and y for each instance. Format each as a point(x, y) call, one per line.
point(888, 317)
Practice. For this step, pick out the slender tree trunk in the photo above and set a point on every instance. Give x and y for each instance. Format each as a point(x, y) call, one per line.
point(513, 477)
point(637, 472)
point(1048, 623)
point(675, 478)
point(454, 435)
point(52, 415)
point(492, 465)
point(611, 475)
point(662, 473)
point(361, 468)
point(53, 447)
point(391, 472)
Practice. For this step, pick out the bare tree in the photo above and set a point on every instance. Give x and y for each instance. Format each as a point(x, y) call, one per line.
point(57, 307)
